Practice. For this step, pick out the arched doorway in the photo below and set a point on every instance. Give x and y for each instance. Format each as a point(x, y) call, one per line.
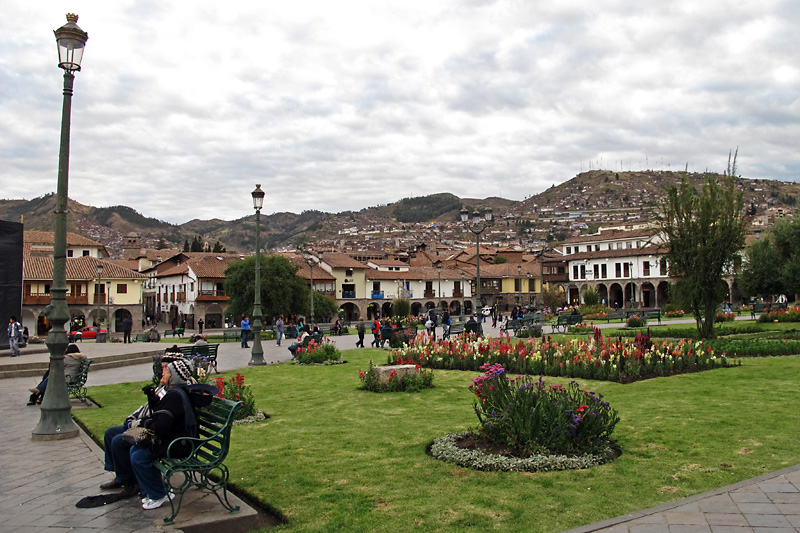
point(351, 312)
point(416, 309)
point(615, 297)
point(455, 307)
point(372, 311)
point(429, 306)
point(663, 293)
point(213, 318)
point(602, 293)
point(649, 297)
point(386, 309)
point(118, 316)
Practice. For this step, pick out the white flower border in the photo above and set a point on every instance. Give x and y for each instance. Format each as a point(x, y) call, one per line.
point(445, 449)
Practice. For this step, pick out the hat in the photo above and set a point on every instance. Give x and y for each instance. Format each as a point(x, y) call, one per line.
point(180, 372)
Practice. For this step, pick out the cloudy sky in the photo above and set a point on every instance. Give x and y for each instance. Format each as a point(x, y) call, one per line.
point(182, 107)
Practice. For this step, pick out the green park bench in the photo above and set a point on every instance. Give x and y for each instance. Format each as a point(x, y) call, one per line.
point(142, 337)
point(76, 385)
point(209, 450)
point(174, 332)
point(455, 329)
point(616, 314)
point(565, 321)
point(209, 351)
point(231, 335)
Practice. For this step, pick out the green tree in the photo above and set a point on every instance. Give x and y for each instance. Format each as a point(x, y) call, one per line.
point(325, 306)
point(197, 245)
point(401, 307)
point(161, 244)
point(500, 260)
point(772, 263)
point(282, 290)
point(704, 234)
point(218, 248)
point(186, 246)
point(591, 297)
point(553, 298)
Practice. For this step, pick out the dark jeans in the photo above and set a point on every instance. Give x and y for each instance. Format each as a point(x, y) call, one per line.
point(245, 336)
point(126, 336)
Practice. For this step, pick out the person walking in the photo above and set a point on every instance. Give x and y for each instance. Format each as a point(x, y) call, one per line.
point(14, 336)
point(245, 332)
point(361, 329)
point(127, 327)
point(200, 324)
point(279, 330)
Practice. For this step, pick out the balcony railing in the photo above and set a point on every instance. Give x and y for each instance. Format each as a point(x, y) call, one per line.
point(102, 298)
point(348, 294)
point(212, 292)
point(458, 294)
point(377, 294)
point(43, 298)
point(428, 294)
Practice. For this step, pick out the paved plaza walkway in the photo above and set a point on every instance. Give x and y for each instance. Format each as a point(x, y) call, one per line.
point(42, 481)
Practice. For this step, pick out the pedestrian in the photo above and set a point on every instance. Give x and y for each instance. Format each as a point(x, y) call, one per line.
point(445, 325)
point(361, 329)
point(245, 332)
point(154, 335)
point(200, 326)
point(279, 329)
point(376, 332)
point(14, 336)
point(127, 326)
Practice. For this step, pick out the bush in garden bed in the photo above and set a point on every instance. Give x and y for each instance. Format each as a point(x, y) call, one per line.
point(421, 379)
point(323, 352)
point(792, 314)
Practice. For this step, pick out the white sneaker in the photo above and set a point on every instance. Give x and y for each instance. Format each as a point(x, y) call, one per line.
point(155, 504)
point(147, 498)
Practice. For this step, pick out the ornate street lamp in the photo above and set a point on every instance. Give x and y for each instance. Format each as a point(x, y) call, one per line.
point(257, 352)
point(56, 422)
point(463, 294)
point(477, 228)
point(108, 311)
point(310, 261)
point(439, 272)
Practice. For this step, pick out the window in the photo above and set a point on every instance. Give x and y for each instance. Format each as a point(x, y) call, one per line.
point(86, 253)
point(618, 269)
point(122, 288)
point(596, 271)
point(69, 253)
point(376, 286)
point(517, 284)
point(646, 268)
point(574, 271)
point(604, 271)
point(583, 271)
point(596, 247)
point(629, 245)
point(47, 288)
point(611, 246)
point(349, 272)
point(569, 250)
point(662, 267)
point(627, 270)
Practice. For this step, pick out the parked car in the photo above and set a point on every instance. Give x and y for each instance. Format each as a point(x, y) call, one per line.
point(89, 332)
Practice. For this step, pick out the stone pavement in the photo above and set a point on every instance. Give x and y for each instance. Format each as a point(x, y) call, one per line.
point(42, 481)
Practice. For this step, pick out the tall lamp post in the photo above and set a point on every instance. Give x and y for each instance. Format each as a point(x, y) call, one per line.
point(530, 297)
point(108, 311)
point(97, 292)
point(477, 227)
point(519, 278)
point(439, 272)
point(257, 352)
point(310, 261)
point(463, 294)
point(55, 422)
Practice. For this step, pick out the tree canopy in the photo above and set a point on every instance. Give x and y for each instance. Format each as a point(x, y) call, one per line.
point(282, 290)
point(772, 263)
point(704, 234)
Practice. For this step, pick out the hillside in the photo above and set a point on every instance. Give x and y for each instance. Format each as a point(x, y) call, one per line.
point(602, 193)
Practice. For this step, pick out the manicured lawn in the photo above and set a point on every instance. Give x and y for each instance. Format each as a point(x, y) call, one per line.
point(332, 457)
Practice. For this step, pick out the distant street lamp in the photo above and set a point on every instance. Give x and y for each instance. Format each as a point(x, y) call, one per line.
point(55, 422)
point(310, 261)
point(439, 272)
point(257, 352)
point(530, 296)
point(463, 293)
point(97, 292)
point(108, 311)
point(519, 280)
point(477, 228)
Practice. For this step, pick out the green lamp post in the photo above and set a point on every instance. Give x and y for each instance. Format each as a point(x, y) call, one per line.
point(55, 422)
point(257, 352)
point(477, 228)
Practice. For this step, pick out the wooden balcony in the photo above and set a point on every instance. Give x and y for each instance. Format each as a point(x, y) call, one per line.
point(212, 295)
point(43, 298)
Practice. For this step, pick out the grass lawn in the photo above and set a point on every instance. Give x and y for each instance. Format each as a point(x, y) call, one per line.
point(332, 457)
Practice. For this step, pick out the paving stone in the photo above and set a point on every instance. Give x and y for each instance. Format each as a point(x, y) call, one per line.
point(767, 520)
point(758, 508)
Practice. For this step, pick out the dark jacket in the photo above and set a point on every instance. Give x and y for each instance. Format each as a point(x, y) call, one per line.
point(172, 417)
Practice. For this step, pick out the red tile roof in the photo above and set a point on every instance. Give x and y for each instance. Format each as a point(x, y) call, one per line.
point(78, 268)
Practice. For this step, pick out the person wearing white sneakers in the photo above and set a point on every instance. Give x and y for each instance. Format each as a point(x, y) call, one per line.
point(172, 418)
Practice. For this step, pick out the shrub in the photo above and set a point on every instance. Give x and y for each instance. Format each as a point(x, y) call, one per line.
point(635, 321)
point(401, 307)
point(674, 313)
point(591, 297)
point(538, 419)
point(580, 329)
point(791, 314)
point(421, 379)
point(318, 353)
point(235, 389)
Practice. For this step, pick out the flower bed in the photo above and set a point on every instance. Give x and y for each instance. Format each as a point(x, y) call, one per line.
point(674, 313)
point(635, 321)
point(617, 360)
point(722, 316)
point(235, 389)
point(791, 314)
point(317, 353)
point(420, 379)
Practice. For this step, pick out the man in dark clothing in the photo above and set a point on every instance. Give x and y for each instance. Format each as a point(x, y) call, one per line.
point(127, 327)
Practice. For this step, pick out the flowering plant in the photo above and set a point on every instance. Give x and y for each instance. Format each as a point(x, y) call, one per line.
point(635, 321)
point(420, 379)
point(722, 316)
point(532, 417)
point(674, 313)
point(791, 314)
point(235, 389)
point(621, 360)
point(318, 352)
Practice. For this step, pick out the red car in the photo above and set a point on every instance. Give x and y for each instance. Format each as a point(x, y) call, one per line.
point(89, 332)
